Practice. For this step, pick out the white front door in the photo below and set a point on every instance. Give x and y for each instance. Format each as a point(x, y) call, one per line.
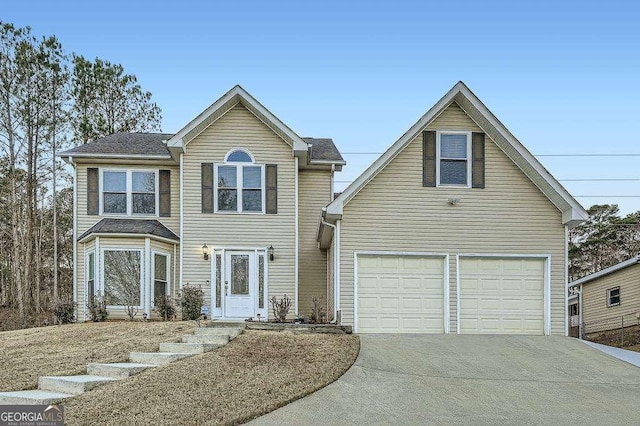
point(239, 284)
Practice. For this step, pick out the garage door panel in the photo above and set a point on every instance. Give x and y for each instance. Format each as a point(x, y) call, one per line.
point(501, 295)
point(409, 294)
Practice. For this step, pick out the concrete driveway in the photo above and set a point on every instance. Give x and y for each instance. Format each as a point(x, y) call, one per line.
point(453, 379)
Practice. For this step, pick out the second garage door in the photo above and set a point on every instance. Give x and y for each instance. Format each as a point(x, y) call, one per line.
point(501, 295)
point(400, 294)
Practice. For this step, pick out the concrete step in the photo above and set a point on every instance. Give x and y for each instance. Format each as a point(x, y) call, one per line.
point(188, 348)
point(156, 358)
point(226, 324)
point(215, 339)
point(32, 397)
point(117, 370)
point(74, 385)
point(213, 331)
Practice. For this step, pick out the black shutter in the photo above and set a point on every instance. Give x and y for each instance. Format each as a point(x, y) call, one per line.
point(207, 187)
point(429, 158)
point(477, 166)
point(271, 188)
point(93, 200)
point(165, 193)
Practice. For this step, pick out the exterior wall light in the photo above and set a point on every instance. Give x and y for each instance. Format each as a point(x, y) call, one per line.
point(270, 253)
point(205, 251)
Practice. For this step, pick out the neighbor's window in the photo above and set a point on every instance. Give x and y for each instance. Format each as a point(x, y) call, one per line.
point(91, 275)
point(613, 296)
point(129, 192)
point(122, 277)
point(239, 184)
point(160, 275)
point(453, 159)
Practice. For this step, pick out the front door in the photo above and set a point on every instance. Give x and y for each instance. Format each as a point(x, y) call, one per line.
point(239, 284)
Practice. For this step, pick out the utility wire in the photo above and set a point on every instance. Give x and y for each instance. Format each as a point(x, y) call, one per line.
point(535, 155)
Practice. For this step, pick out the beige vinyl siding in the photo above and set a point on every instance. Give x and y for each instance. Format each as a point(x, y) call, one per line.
point(314, 187)
point(394, 212)
point(595, 312)
point(84, 221)
point(239, 128)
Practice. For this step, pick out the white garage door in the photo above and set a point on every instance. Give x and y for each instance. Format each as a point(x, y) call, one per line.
point(501, 296)
point(400, 294)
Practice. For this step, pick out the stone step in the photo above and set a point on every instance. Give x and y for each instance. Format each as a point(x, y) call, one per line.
point(117, 370)
point(188, 348)
point(215, 339)
point(212, 331)
point(32, 397)
point(74, 385)
point(156, 358)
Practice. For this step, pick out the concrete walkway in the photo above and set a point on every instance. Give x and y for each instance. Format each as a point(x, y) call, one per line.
point(622, 354)
point(458, 379)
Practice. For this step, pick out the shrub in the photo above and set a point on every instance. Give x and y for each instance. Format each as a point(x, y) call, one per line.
point(318, 311)
point(97, 309)
point(191, 300)
point(63, 312)
point(280, 308)
point(165, 307)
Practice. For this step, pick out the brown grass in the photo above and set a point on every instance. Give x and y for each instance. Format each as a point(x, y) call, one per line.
point(256, 373)
point(614, 338)
point(65, 350)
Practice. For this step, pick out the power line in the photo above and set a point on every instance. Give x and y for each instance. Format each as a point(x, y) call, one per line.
point(535, 155)
point(607, 196)
point(562, 180)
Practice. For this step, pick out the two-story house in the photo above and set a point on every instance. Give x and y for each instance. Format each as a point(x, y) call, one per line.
point(455, 228)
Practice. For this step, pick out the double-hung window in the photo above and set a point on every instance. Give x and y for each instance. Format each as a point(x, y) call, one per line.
point(91, 275)
point(613, 296)
point(454, 153)
point(129, 192)
point(160, 275)
point(239, 184)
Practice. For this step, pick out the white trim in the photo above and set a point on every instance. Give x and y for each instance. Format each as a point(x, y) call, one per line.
point(181, 216)
point(572, 211)
point(445, 278)
point(152, 281)
point(547, 282)
point(566, 280)
point(240, 187)
point(142, 273)
point(337, 283)
point(297, 237)
point(75, 238)
point(147, 284)
point(128, 190)
point(607, 271)
point(234, 96)
point(123, 235)
point(246, 151)
point(86, 273)
point(439, 158)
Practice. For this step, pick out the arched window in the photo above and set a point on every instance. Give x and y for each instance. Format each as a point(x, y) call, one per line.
point(239, 183)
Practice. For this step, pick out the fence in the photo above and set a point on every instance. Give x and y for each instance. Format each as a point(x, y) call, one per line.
point(621, 330)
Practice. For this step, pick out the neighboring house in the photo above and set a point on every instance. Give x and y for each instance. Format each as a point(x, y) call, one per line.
point(455, 228)
point(608, 299)
point(208, 206)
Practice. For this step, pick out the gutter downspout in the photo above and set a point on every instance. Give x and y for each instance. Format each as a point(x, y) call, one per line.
point(335, 267)
point(75, 238)
point(580, 326)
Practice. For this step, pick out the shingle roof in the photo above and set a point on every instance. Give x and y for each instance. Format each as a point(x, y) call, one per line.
point(130, 226)
point(123, 143)
point(323, 149)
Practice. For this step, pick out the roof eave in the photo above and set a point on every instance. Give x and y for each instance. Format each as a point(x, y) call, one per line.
point(604, 272)
point(127, 235)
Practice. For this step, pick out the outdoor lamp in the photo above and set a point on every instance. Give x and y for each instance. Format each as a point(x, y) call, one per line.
point(205, 251)
point(270, 253)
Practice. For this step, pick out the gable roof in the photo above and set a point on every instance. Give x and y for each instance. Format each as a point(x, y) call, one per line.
point(124, 144)
point(136, 227)
point(572, 212)
point(237, 95)
point(606, 271)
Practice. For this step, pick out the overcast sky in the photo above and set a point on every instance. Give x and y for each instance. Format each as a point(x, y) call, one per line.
point(561, 75)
